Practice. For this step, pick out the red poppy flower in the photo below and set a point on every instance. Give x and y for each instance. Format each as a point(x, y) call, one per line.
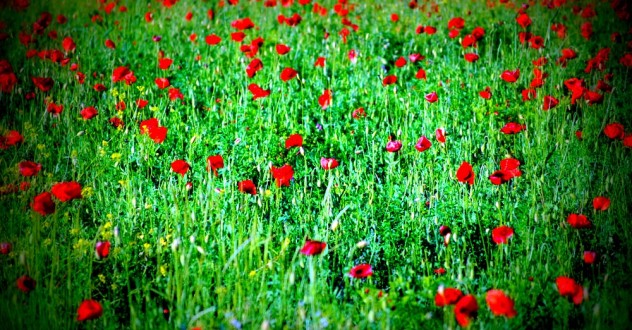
point(500, 304)
point(567, 54)
point(212, 39)
point(43, 204)
point(320, 62)
point(626, 60)
point(604, 87)
point(502, 234)
point(5, 248)
point(89, 310)
point(10, 139)
point(288, 73)
point(8, 79)
point(120, 106)
point(188, 16)
point(122, 73)
point(540, 61)
point(158, 134)
point(440, 271)
point(447, 296)
point(599, 61)
point(237, 36)
point(440, 135)
point(421, 74)
point(68, 44)
point(66, 191)
point(43, 84)
point(512, 128)
point(102, 249)
point(389, 80)
point(282, 49)
point(528, 94)
point(29, 168)
point(559, 29)
point(423, 144)
point(586, 30)
point(162, 83)
point(168, 3)
point(180, 166)
point(578, 221)
point(536, 42)
point(400, 62)
point(293, 20)
point(567, 287)
point(471, 57)
point(174, 93)
point(140, 103)
point(242, 24)
point(456, 23)
point(110, 44)
point(486, 93)
point(312, 248)
point(258, 92)
point(465, 173)
point(54, 109)
point(254, 66)
point(614, 131)
point(627, 141)
point(25, 283)
point(393, 146)
point(431, 97)
point(601, 203)
point(453, 33)
point(247, 186)
point(523, 20)
point(283, 175)
point(478, 32)
point(358, 113)
point(325, 99)
point(524, 37)
point(549, 102)
point(465, 309)
point(579, 134)
point(361, 271)
point(590, 257)
point(99, 87)
point(80, 78)
point(214, 163)
point(164, 63)
point(508, 170)
point(294, 140)
point(147, 125)
point(510, 76)
point(468, 41)
point(328, 163)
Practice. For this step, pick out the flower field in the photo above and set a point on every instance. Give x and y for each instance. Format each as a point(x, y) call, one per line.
point(301, 164)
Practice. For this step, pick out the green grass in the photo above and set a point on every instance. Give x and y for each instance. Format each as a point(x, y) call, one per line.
point(218, 258)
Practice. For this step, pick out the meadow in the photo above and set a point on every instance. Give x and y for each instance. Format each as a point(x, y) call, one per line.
point(282, 164)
